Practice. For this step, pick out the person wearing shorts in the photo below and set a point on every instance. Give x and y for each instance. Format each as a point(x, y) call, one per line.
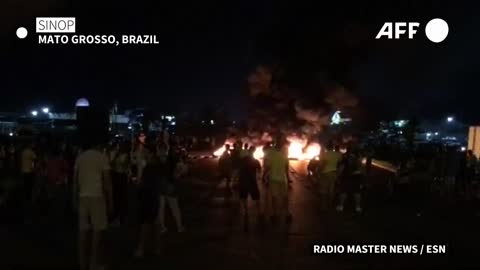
point(247, 185)
point(93, 186)
point(176, 168)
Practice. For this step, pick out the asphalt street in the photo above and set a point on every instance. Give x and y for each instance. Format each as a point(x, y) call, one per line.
point(216, 237)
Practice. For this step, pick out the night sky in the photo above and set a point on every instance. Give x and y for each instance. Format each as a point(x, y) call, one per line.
point(207, 49)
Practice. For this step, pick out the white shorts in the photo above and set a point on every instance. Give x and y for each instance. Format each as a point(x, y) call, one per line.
point(92, 211)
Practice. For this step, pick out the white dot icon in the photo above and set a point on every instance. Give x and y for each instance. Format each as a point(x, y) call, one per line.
point(436, 30)
point(22, 32)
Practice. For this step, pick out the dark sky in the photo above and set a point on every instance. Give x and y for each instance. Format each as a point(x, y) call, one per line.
point(207, 50)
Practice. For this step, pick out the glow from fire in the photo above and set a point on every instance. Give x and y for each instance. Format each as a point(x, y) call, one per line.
point(258, 154)
point(220, 150)
point(312, 151)
point(298, 149)
point(295, 149)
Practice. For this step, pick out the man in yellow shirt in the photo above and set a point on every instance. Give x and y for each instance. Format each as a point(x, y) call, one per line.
point(329, 161)
point(276, 169)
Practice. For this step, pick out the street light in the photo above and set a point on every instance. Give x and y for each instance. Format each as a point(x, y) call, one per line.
point(450, 119)
point(34, 113)
point(46, 110)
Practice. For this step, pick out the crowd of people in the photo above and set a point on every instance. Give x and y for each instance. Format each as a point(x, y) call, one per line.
point(445, 172)
point(36, 175)
point(92, 185)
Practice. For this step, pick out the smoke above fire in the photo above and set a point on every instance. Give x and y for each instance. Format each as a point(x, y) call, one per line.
point(282, 105)
point(283, 111)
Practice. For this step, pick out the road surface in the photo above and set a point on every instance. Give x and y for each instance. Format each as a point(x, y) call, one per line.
point(217, 239)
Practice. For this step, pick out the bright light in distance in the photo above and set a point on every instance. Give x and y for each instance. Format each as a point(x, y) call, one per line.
point(129, 127)
point(45, 110)
point(174, 123)
point(10, 134)
point(463, 149)
point(336, 118)
point(400, 123)
point(436, 133)
point(212, 122)
point(429, 134)
point(34, 113)
point(450, 119)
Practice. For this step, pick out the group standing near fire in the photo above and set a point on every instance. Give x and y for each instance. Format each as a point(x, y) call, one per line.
point(101, 179)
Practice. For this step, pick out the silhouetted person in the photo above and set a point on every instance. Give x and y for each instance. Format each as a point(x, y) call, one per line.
point(176, 169)
point(247, 184)
point(350, 179)
point(236, 156)
point(149, 187)
point(225, 166)
point(120, 173)
point(27, 168)
point(470, 167)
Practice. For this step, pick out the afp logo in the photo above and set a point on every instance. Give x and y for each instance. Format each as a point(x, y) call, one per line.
point(436, 30)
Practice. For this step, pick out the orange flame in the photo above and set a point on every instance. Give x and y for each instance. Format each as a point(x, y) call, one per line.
point(312, 151)
point(298, 149)
point(295, 149)
point(258, 154)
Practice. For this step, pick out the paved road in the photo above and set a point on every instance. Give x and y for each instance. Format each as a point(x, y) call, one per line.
point(216, 238)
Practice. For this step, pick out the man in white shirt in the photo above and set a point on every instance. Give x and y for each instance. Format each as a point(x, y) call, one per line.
point(93, 186)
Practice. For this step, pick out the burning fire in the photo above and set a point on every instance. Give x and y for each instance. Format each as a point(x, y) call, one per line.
point(312, 151)
point(295, 149)
point(220, 150)
point(298, 149)
point(258, 154)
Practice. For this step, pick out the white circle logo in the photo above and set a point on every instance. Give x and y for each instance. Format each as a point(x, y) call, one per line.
point(22, 32)
point(436, 30)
